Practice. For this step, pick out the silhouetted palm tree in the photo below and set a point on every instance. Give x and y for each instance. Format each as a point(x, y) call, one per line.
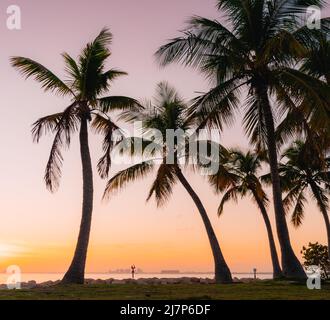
point(256, 51)
point(86, 83)
point(303, 172)
point(168, 113)
point(239, 177)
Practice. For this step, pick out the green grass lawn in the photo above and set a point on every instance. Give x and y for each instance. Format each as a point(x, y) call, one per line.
point(254, 291)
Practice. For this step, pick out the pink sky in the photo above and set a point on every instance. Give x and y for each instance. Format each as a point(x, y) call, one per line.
point(38, 230)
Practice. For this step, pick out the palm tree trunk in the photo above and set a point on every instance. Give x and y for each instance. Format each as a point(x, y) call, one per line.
point(76, 271)
point(327, 224)
point(222, 272)
point(323, 211)
point(291, 266)
point(277, 272)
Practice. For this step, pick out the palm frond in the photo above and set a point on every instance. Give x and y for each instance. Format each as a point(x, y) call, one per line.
point(120, 103)
point(216, 108)
point(139, 146)
point(292, 126)
point(49, 81)
point(259, 192)
point(201, 38)
point(310, 38)
point(231, 194)
point(44, 125)
point(113, 74)
point(224, 179)
point(66, 126)
point(72, 69)
point(123, 177)
point(254, 122)
point(91, 65)
point(321, 197)
point(304, 87)
point(163, 184)
point(298, 212)
point(205, 154)
point(112, 135)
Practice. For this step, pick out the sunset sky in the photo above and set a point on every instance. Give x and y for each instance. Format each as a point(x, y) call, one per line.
point(38, 230)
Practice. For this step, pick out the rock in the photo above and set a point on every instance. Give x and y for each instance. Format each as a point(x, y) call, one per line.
point(195, 280)
point(129, 281)
point(29, 285)
point(186, 280)
point(89, 281)
point(95, 281)
point(174, 280)
point(46, 284)
point(207, 281)
point(98, 282)
point(118, 282)
point(109, 281)
point(142, 281)
point(155, 281)
point(248, 280)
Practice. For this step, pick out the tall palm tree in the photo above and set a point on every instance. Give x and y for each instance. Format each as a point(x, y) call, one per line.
point(168, 113)
point(303, 172)
point(310, 123)
point(86, 83)
point(239, 177)
point(255, 50)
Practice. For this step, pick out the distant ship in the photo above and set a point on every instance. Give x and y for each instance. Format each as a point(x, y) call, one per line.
point(124, 271)
point(170, 271)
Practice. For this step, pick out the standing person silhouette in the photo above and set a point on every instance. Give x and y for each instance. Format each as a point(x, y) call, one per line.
point(133, 270)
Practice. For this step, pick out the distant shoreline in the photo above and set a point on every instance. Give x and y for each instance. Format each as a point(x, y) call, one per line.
point(56, 276)
point(33, 284)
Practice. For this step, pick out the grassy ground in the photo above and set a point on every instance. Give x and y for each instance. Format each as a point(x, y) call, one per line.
point(254, 291)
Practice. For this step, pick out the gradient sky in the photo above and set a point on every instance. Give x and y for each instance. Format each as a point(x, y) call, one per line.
point(38, 230)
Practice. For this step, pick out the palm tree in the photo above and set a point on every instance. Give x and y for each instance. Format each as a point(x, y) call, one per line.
point(168, 113)
point(86, 83)
point(303, 172)
point(239, 177)
point(256, 51)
